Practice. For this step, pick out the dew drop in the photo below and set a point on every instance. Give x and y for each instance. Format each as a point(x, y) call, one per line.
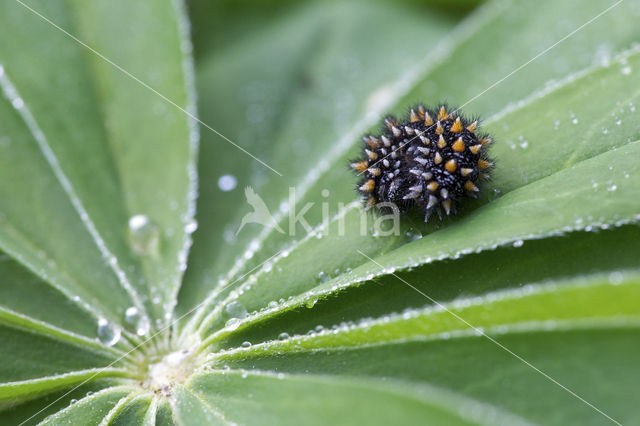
point(612, 188)
point(323, 277)
point(311, 302)
point(108, 333)
point(246, 344)
point(227, 183)
point(518, 243)
point(232, 324)
point(143, 234)
point(236, 310)
point(616, 278)
point(283, 336)
point(131, 315)
point(413, 235)
point(17, 103)
point(191, 226)
point(133, 318)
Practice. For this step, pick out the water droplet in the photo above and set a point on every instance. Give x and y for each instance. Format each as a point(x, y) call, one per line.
point(191, 226)
point(131, 315)
point(236, 310)
point(227, 183)
point(133, 318)
point(626, 70)
point(283, 336)
point(143, 234)
point(246, 344)
point(17, 103)
point(518, 243)
point(616, 278)
point(605, 131)
point(273, 304)
point(413, 235)
point(612, 188)
point(322, 277)
point(311, 302)
point(232, 324)
point(108, 333)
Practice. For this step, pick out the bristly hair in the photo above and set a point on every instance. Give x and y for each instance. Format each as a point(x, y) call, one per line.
point(430, 161)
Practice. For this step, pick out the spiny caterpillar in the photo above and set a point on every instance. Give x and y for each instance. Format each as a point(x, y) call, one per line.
point(430, 161)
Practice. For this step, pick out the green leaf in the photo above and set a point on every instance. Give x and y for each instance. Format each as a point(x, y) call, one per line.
point(93, 409)
point(34, 356)
point(548, 259)
point(85, 128)
point(255, 397)
point(457, 69)
point(523, 308)
point(35, 410)
point(21, 291)
point(530, 208)
point(133, 412)
point(30, 388)
point(496, 348)
point(283, 111)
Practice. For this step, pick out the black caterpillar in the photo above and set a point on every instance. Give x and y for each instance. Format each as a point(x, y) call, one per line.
point(430, 161)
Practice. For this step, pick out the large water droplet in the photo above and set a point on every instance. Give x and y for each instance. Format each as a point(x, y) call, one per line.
point(283, 336)
point(272, 305)
point(323, 277)
point(311, 302)
point(236, 310)
point(232, 324)
point(143, 234)
point(616, 278)
point(191, 226)
point(227, 183)
point(17, 103)
point(139, 323)
point(108, 333)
